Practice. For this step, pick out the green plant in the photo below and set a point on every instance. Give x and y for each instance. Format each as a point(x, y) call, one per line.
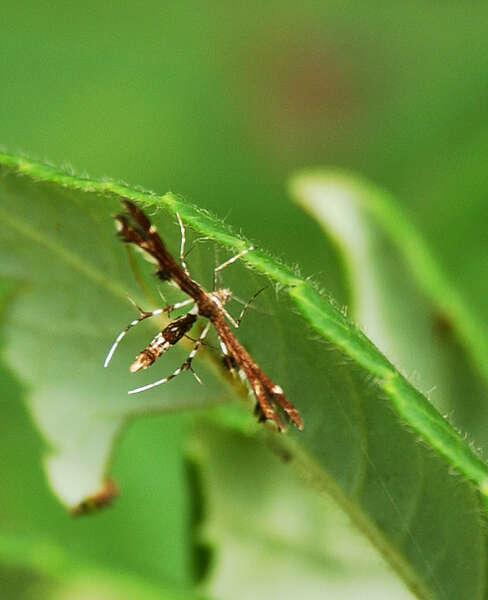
point(411, 483)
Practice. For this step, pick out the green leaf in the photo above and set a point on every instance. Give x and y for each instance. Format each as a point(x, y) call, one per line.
point(277, 538)
point(363, 419)
point(148, 463)
point(72, 572)
point(401, 298)
point(352, 210)
point(153, 544)
point(61, 249)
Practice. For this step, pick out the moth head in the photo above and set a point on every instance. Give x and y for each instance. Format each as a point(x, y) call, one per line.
point(223, 295)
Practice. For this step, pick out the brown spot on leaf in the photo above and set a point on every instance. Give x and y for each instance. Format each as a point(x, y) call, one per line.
point(101, 499)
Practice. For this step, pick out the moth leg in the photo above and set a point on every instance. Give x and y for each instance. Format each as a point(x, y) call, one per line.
point(216, 259)
point(142, 315)
point(182, 245)
point(171, 307)
point(194, 244)
point(232, 259)
point(232, 321)
point(185, 366)
point(218, 269)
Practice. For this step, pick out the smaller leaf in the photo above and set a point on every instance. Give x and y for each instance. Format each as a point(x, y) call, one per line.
point(400, 297)
point(70, 572)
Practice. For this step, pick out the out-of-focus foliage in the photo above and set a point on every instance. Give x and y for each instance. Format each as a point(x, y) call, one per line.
point(221, 102)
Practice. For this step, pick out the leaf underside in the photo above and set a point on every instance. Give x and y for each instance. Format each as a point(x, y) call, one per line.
point(374, 442)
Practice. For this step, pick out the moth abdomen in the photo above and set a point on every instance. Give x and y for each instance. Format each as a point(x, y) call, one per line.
point(170, 335)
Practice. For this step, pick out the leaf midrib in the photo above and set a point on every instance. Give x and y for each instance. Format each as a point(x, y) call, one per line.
point(70, 258)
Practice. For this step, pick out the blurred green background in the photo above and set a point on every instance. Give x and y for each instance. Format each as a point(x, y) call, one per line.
point(222, 102)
